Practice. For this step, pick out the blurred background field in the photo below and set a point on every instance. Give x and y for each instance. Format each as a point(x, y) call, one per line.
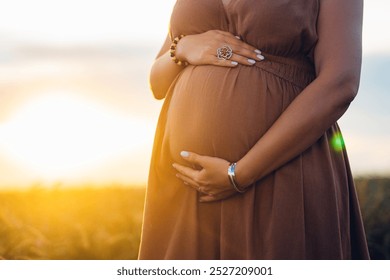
point(105, 223)
point(71, 223)
point(374, 196)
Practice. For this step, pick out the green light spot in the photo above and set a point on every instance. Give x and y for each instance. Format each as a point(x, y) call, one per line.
point(337, 142)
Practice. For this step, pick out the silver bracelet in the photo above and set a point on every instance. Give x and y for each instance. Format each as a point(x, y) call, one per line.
point(232, 177)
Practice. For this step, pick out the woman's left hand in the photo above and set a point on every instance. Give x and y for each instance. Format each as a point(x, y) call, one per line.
point(211, 181)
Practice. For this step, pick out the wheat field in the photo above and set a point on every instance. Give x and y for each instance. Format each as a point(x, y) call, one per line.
point(105, 223)
point(79, 223)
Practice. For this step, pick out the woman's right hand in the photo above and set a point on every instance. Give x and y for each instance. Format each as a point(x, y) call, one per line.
point(201, 49)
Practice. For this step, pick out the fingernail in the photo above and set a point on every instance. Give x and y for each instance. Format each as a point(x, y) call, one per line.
point(184, 154)
point(251, 61)
point(258, 51)
point(234, 63)
point(260, 57)
point(238, 37)
point(174, 166)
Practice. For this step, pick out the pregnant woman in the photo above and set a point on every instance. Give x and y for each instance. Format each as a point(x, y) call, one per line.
point(248, 160)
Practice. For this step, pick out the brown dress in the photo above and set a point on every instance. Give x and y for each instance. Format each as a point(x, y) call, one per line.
point(308, 208)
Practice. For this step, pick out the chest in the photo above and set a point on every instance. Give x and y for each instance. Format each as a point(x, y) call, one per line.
point(281, 25)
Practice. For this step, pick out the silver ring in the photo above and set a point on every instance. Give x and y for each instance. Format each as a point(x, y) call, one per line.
point(225, 52)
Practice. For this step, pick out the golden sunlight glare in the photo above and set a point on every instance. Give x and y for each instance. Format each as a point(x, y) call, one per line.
point(60, 134)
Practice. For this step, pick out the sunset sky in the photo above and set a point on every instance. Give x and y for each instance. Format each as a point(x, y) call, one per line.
point(75, 105)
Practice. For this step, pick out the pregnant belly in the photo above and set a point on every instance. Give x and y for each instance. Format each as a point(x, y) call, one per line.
point(219, 111)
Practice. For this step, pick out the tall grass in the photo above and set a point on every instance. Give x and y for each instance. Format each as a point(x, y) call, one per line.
point(105, 223)
point(374, 196)
point(85, 223)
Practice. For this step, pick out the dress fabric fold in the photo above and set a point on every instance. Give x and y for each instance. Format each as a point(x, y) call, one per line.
point(306, 209)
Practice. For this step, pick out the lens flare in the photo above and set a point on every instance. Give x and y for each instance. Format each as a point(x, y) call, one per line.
point(337, 142)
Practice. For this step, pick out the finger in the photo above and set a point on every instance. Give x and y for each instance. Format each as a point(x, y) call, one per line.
point(186, 171)
point(216, 197)
point(234, 61)
point(193, 184)
point(243, 60)
point(224, 63)
point(188, 181)
point(228, 37)
point(247, 51)
point(192, 157)
point(242, 48)
point(212, 198)
point(214, 59)
point(207, 198)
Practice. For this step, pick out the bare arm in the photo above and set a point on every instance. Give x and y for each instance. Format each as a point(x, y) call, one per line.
point(320, 105)
point(163, 71)
point(323, 102)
